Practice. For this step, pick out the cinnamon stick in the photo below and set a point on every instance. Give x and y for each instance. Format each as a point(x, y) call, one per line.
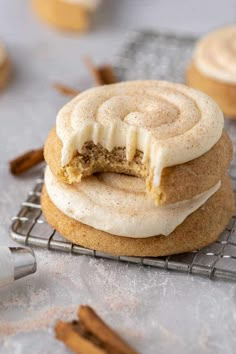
point(95, 325)
point(107, 75)
point(69, 334)
point(103, 75)
point(90, 335)
point(65, 90)
point(26, 161)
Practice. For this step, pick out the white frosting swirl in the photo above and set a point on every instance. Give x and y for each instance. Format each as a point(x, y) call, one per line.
point(170, 123)
point(90, 5)
point(118, 204)
point(215, 54)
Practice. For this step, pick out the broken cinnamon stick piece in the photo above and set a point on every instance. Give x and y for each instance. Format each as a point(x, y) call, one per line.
point(90, 335)
point(69, 334)
point(103, 75)
point(95, 325)
point(107, 74)
point(26, 161)
point(65, 90)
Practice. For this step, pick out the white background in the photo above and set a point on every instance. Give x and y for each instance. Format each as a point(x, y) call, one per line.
point(157, 312)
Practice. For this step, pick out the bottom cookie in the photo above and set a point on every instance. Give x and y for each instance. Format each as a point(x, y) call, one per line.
point(200, 229)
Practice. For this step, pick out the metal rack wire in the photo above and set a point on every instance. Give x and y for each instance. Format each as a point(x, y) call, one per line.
point(144, 55)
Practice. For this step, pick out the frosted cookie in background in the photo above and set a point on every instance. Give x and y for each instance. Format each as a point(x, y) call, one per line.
point(72, 15)
point(213, 68)
point(5, 66)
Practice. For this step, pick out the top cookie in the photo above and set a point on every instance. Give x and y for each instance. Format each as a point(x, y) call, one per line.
point(168, 123)
point(215, 55)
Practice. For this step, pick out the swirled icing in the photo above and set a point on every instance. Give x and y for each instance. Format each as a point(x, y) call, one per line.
point(215, 54)
point(90, 5)
point(170, 123)
point(118, 204)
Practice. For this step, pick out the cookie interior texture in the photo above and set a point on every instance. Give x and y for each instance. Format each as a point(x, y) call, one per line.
point(222, 92)
point(178, 182)
point(199, 229)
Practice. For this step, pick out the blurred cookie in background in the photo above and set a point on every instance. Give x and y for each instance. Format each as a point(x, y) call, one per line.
point(213, 68)
point(72, 15)
point(5, 66)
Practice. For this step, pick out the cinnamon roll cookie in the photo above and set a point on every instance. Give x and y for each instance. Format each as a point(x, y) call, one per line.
point(139, 169)
point(5, 66)
point(71, 15)
point(213, 68)
point(168, 134)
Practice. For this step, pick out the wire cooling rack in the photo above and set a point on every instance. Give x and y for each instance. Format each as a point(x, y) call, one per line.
point(145, 55)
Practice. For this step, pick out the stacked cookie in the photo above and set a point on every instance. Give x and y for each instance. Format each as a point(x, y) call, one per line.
point(213, 68)
point(140, 169)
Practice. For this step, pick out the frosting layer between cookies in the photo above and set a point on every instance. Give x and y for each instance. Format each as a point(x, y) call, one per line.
point(118, 204)
point(215, 55)
point(169, 123)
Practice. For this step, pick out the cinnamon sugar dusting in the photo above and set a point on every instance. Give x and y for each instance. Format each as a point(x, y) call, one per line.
point(41, 320)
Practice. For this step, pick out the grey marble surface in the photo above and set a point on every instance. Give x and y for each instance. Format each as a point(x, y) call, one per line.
point(156, 311)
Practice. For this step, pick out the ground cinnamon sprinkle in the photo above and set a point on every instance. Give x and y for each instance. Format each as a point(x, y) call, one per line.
point(41, 320)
